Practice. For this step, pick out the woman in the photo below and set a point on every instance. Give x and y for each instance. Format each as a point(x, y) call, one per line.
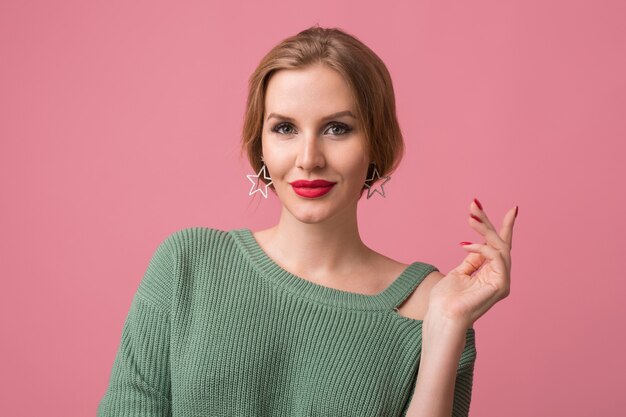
point(303, 318)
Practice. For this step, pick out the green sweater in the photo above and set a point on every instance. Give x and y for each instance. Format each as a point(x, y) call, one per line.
point(217, 328)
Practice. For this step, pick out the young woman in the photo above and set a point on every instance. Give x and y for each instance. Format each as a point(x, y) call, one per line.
point(303, 319)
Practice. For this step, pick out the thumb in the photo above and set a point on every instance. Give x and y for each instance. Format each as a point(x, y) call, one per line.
point(470, 264)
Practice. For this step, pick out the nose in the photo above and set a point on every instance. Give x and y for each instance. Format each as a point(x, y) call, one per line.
point(310, 153)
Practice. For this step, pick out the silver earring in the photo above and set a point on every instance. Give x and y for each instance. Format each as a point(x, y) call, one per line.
point(372, 189)
point(255, 180)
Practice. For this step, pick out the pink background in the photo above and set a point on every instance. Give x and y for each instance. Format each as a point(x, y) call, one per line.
point(120, 123)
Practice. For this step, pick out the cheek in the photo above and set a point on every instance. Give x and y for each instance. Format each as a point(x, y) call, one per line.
point(275, 159)
point(277, 166)
point(355, 170)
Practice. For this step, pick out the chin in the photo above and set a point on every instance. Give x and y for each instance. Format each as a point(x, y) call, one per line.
point(317, 210)
point(310, 216)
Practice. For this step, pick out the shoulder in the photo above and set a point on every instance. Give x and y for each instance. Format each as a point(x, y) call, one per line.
point(416, 304)
point(184, 241)
point(184, 245)
point(179, 256)
point(194, 234)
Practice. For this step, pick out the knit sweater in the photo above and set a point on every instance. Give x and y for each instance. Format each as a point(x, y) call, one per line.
point(217, 328)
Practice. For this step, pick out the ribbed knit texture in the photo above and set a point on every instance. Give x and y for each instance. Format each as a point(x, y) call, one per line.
point(217, 328)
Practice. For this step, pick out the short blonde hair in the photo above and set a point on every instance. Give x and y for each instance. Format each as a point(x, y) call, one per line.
point(366, 75)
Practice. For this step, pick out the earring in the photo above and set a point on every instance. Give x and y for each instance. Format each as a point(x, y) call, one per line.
point(255, 180)
point(371, 189)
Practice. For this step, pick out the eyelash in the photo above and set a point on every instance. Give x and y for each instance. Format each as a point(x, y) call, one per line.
point(345, 127)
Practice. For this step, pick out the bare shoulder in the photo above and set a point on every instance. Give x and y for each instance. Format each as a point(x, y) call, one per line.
point(416, 304)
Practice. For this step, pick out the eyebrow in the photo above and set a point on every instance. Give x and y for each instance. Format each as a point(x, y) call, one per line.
point(330, 116)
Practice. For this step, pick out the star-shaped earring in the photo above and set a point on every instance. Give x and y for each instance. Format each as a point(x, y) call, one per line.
point(254, 179)
point(372, 189)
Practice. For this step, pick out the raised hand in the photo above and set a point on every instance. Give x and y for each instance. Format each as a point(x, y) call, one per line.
point(484, 276)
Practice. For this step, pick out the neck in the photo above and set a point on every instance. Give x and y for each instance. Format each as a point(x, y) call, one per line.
point(331, 246)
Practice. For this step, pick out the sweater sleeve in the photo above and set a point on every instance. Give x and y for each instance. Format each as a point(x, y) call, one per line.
point(139, 383)
point(464, 378)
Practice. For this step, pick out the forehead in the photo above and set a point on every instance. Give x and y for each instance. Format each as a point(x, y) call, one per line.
point(313, 90)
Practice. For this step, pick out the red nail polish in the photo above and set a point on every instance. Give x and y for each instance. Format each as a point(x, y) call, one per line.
point(516, 209)
point(475, 218)
point(478, 203)
point(465, 243)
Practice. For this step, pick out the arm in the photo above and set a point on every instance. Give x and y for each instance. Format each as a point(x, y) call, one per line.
point(140, 377)
point(457, 301)
point(441, 391)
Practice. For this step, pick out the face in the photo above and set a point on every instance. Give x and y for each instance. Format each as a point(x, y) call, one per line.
point(310, 132)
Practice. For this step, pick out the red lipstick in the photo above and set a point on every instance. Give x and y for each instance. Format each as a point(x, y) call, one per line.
point(312, 189)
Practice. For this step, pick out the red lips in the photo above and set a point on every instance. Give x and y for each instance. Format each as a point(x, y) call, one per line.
point(312, 189)
point(311, 184)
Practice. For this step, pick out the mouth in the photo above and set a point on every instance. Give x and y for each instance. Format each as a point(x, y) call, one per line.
point(312, 189)
point(311, 184)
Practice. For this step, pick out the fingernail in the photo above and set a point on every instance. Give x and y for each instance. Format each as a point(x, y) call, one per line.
point(478, 203)
point(465, 243)
point(475, 218)
point(516, 209)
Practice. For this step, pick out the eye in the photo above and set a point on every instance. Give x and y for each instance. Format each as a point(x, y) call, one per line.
point(337, 128)
point(280, 126)
point(344, 128)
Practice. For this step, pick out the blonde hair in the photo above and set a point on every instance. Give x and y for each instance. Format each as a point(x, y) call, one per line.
point(366, 75)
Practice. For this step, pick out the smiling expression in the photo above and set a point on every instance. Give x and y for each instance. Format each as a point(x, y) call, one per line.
point(310, 132)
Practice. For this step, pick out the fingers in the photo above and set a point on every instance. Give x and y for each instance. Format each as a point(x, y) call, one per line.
point(477, 209)
point(497, 263)
point(479, 221)
point(470, 264)
point(506, 231)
